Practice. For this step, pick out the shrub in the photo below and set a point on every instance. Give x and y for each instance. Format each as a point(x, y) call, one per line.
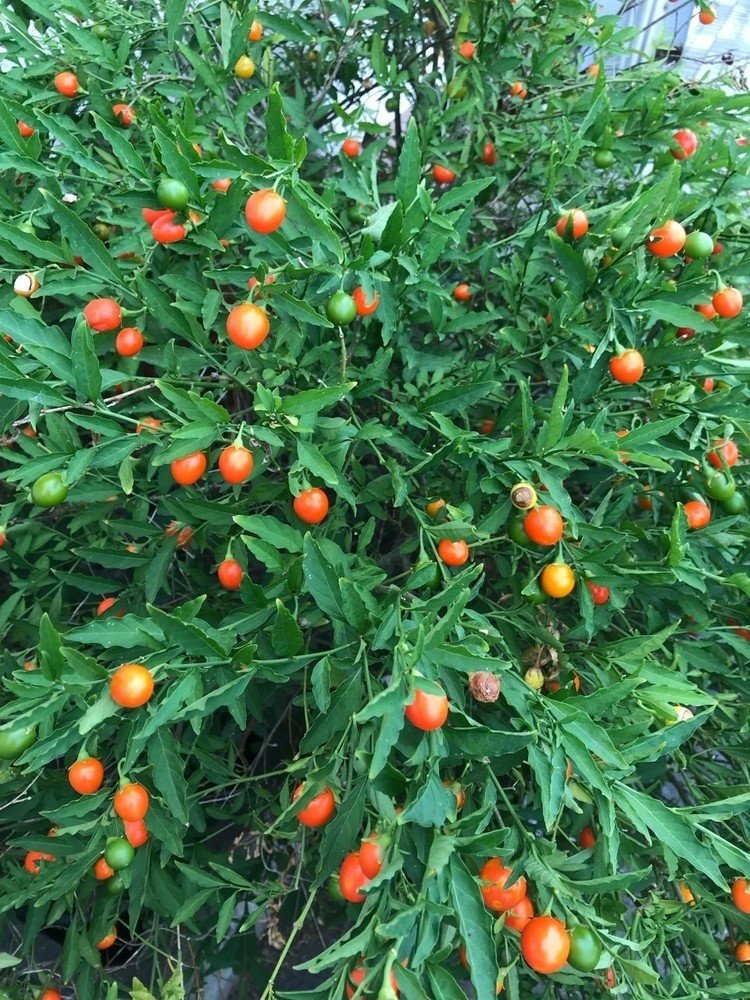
point(429, 390)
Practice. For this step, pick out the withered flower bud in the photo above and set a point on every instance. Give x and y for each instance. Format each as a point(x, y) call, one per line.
point(523, 496)
point(484, 686)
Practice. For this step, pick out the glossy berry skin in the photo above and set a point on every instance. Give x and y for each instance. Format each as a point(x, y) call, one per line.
point(453, 553)
point(164, 230)
point(599, 594)
point(707, 17)
point(13, 742)
point(188, 470)
point(371, 855)
point(128, 342)
point(666, 240)
point(102, 871)
point(727, 302)
point(248, 326)
point(443, 175)
point(230, 574)
point(434, 506)
point(131, 685)
point(103, 315)
point(489, 154)
point(698, 245)
point(150, 215)
point(557, 580)
point(256, 32)
point(222, 184)
point(363, 305)
point(341, 308)
point(725, 449)
point(628, 367)
point(265, 211)
point(311, 506)
point(706, 310)
point(351, 148)
point(698, 514)
point(720, 486)
point(66, 84)
point(235, 464)
point(352, 879)
point(545, 944)
point(119, 853)
point(572, 225)
point(544, 525)
point(467, 49)
point(131, 802)
point(124, 114)
point(741, 895)
point(50, 994)
point(135, 832)
point(735, 504)
point(604, 158)
point(244, 68)
point(494, 893)
point(49, 490)
point(318, 811)
point(462, 293)
point(427, 711)
point(685, 144)
point(585, 949)
point(107, 941)
point(25, 130)
point(86, 776)
point(586, 838)
point(516, 917)
point(172, 194)
point(30, 862)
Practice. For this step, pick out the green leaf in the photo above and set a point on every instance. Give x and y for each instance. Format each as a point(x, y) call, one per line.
point(342, 831)
point(674, 313)
point(31, 244)
point(345, 701)
point(321, 580)
point(176, 163)
point(299, 309)
point(314, 400)
point(474, 923)
point(85, 363)
point(83, 242)
point(122, 147)
point(673, 830)
point(310, 457)
point(456, 398)
point(409, 166)
point(556, 423)
point(279, 143)
point(167, 771)
point(59, 126)
point(286, 637)
point(572, 263)
point(432, 804)
point(677, 536)
point(271, 530)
